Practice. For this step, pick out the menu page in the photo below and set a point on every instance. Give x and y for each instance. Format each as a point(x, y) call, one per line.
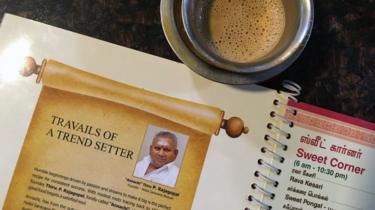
point(224, 180)
point(328, 163)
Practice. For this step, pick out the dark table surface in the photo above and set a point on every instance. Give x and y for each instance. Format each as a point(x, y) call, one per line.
point(336, 69)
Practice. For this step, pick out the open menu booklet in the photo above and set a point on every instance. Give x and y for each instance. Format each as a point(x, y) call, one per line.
point(105, 127)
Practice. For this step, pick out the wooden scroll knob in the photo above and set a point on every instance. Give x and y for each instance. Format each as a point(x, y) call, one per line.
point(29, 67)
point(234, 127)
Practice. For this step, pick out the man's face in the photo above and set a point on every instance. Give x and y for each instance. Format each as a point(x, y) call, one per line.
point(163, 151)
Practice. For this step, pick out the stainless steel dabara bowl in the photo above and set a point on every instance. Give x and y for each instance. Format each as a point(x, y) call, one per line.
point(299, 16)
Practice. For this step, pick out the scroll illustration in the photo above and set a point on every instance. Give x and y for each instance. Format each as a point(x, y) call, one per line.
point(94, 143)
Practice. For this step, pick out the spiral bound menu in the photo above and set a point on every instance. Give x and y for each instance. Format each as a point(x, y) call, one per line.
point(86, 144)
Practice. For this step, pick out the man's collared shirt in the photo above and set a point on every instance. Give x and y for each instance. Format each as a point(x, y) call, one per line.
point(165, 175)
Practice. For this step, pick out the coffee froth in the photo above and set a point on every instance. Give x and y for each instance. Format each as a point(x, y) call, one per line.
point(245, 30)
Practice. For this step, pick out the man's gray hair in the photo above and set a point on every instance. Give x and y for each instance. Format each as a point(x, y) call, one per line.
point(166, 134)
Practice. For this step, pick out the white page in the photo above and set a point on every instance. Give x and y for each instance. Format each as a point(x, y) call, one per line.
point(228, 170)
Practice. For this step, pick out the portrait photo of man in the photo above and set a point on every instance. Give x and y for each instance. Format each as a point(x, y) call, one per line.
point(159, 165)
